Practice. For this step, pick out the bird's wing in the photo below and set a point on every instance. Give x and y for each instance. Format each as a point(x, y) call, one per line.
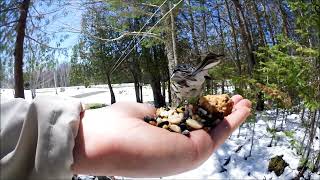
point(206, 64)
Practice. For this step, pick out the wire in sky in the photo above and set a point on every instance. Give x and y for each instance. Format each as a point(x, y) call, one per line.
point(113, 69)
point(134, 38)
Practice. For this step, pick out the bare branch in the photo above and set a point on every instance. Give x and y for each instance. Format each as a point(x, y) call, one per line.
point(153, 35)
point(8, 23)
point(13, 7)
point(125, 34)
point(214, 16)
point(150, 5)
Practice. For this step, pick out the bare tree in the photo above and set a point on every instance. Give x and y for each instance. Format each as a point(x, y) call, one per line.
point(18, 52)
point(246, 38)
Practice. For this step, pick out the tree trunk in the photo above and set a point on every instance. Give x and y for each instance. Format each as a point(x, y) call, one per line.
point(170, 54)
point(33, 93)
point(221, 32)
point(260, 28)
point(205, 39)
point(267, 18)
point(302, 115)
point(302, 148)
point(247, 42)
point(141, 94)
point(284, 16)
point(260, 102)
point(283, 117)
point(204, 26)
point(173, 35)
point(135, 71)
point(222, 86)
point(163, 86)
point(137, 90)
point(113, 98)
point(155, 78)
point(55, 81)
point(316, 164)
point(169, 92)
point(156, 89)
point(312, 133)
point(253, 134)
point(234, 36)
point(304, 167)
point(18, 51)
point(134, 66)
point(193, 34)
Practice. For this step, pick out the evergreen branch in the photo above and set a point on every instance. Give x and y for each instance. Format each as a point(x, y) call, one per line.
point(42, 44)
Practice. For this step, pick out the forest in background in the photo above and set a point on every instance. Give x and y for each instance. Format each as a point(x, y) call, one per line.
point(271, 50)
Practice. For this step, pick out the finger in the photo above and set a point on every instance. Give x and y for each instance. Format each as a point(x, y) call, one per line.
point(133, 109)
point(243, 103)
point(236, 98)
point(238, 117)
point(220, 133)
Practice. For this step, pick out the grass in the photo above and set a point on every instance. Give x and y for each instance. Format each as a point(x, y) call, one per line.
point(94, 105)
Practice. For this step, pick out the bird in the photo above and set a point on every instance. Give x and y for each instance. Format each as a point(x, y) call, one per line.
point(188, 81)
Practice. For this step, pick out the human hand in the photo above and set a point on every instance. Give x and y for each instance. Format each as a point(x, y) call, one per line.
point(117, 141)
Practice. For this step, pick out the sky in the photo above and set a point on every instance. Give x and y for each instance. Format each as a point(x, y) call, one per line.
point(64, 23)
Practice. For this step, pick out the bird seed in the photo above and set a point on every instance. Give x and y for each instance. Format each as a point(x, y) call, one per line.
point(209, 111)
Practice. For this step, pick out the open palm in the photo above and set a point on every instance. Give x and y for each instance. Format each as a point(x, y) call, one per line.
point(117, 141)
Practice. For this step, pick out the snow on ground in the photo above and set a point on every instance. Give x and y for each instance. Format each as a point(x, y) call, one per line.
point(94, 94)
point(240, 165)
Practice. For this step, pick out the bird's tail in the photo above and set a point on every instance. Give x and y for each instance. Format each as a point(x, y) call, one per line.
point(209, 61)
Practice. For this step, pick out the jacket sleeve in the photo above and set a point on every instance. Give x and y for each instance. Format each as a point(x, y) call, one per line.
point(37, 138)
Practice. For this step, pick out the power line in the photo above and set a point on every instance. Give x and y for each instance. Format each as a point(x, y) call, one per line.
point(113, 69)
point(134, 38)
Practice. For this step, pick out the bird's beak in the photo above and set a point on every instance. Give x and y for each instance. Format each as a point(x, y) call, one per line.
point(174, 77)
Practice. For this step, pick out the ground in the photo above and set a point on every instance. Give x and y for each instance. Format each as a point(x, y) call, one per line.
point(231, 160)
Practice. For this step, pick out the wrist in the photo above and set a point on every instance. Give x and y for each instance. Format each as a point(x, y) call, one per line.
point(93, 146)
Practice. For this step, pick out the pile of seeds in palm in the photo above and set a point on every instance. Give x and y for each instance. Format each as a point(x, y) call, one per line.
point(206, 114)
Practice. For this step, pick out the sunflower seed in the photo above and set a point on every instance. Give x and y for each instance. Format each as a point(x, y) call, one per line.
point(175, 118)
point(165, 126)
point(175, 128)
point(164, 114)
point(158, 112)
point(194, 124)
point(180, 110)
point(159, 120)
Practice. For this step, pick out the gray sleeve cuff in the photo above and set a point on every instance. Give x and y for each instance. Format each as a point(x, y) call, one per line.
point(37, 139)
point(58, 123)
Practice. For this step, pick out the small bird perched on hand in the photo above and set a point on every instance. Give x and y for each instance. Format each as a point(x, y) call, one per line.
point(188, 81)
